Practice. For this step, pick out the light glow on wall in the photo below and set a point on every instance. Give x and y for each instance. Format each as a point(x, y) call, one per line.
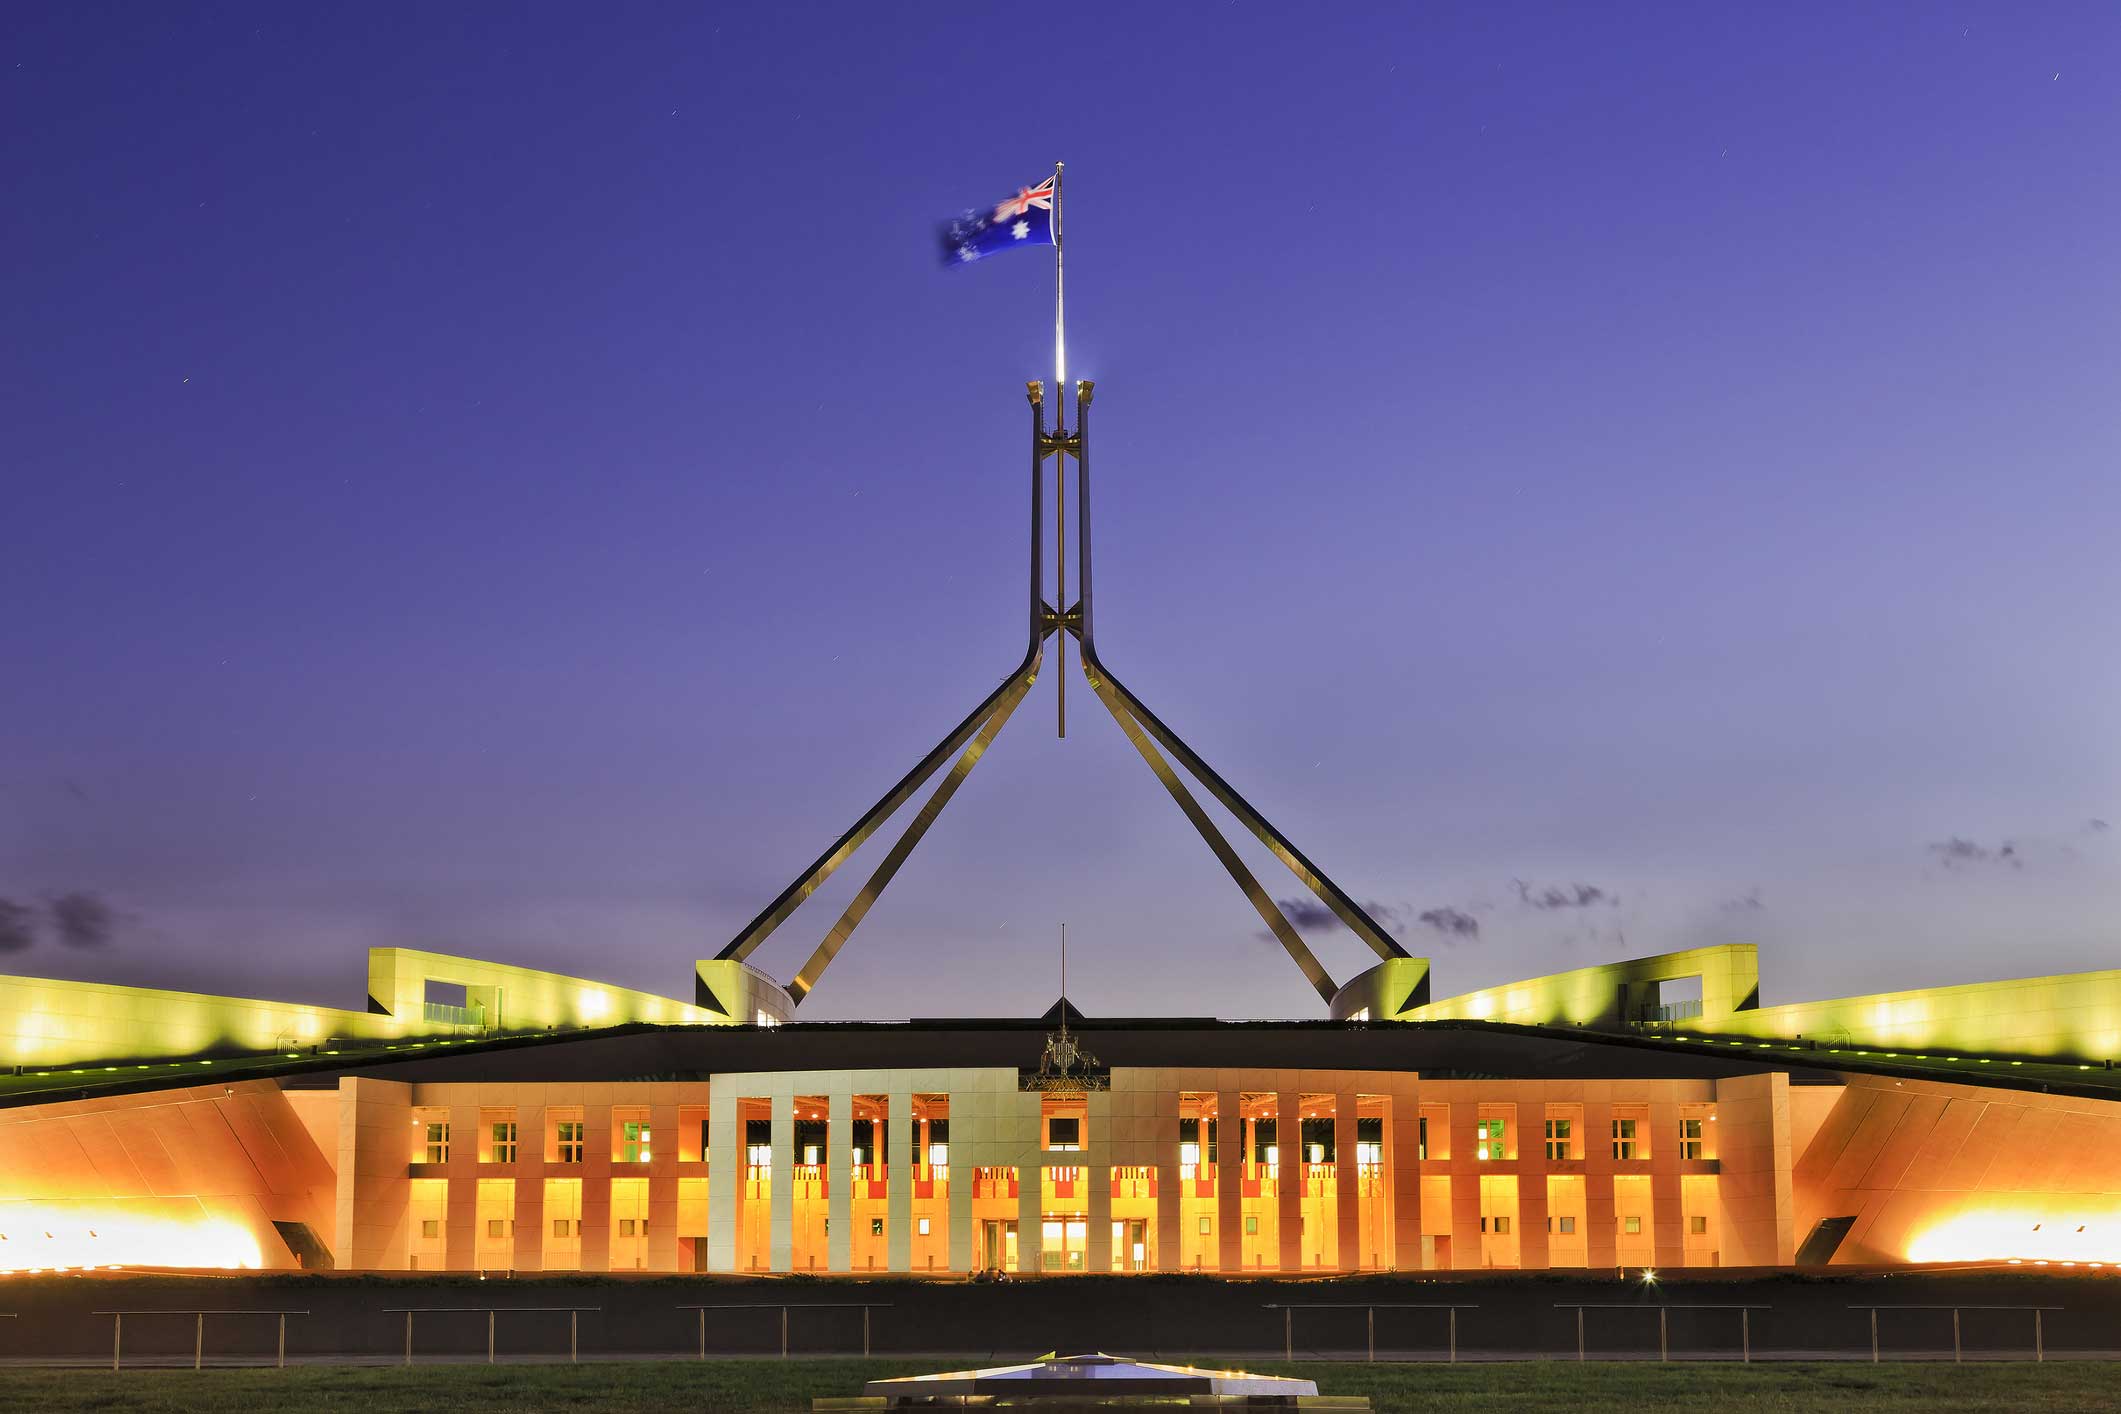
point(38, 1237)
point(2021, 1235)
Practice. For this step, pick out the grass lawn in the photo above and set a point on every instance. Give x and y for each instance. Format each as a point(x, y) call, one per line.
point(732, 1385)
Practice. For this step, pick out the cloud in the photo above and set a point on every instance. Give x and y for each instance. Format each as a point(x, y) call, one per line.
point(1959, 855)
point(2096, 827)
point(1553, 896)
point(1308, 915)
point(1456, 925)
point(18, 926)
point(83, 920)
point(1748, 902)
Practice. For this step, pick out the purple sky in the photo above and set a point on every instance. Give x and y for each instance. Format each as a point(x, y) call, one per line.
point(513, 482)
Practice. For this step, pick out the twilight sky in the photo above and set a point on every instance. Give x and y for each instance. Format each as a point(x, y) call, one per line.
point(512, 480)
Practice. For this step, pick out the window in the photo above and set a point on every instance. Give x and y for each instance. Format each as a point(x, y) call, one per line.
point(923, 1229)
point(430, 1227)
point(1207, 1226)
point(504, 1141)
point(1064, 1133)
point(1698, 1224)
point(567, 1227)
point(571, 1140)
point(1499, 1224)
point(1564, 1224)
point(938, 1156)
point(437, 1150)
point(1423, 1137)
point(1631, 1225)
point(876, 1227)
point(628, 1226)
point(1624, 1147)
point(1557, 1140)
point(634, 1139)
point(759, 1157)
point(1251, 1227)
point(1690, 1141)
point(1488, 1139)
point(497, 1227)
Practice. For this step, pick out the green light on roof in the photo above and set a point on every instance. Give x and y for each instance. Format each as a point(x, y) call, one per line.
point(206, 1062)
point(2017, 1062)
point(1982, 1061)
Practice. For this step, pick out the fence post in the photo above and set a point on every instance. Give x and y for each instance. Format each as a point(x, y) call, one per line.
point(1288, 1333)
point(1956, 1356)
point(784, 1332)
point(703, 1333)
point(2039, 1340)
point(574, 1337)
point(1454, 1335)
point(117, 1336)
point(283, 1340)
point(1664, 1342)
point(1745, 1336)
point(408, 1336)
point(1874, 1335)
point(198, 1341)
point(865, 1332)
point(1369, 1317)
point(489, 1337)
point(1579, 1335)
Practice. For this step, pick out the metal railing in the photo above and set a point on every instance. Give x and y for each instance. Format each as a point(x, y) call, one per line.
point(865, 1307)
point(444, 1014)
point(1958, 1351)
point(1664, 1328)
point(1369, 1310)
point(198, 1348)
point(573, 1313)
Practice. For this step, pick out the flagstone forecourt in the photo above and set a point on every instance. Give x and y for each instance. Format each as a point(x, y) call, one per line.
point(1648, 1113)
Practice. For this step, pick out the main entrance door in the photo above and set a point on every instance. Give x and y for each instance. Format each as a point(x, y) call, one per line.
point(997, 1245)
point(1130, 1245)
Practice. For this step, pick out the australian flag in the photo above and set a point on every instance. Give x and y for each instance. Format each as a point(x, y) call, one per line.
point(1023, 219)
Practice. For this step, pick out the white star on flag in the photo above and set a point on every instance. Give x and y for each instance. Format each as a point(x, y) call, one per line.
point(1020, 230)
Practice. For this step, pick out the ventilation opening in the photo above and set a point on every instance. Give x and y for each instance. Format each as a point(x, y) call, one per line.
point(1819, 1248)
point(309, 1254)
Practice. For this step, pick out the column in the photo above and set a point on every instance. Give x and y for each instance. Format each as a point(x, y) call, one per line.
point(964, 1156)
point(1465, 1181)
point(1601, 1247)
point(663, 1183)
point(1289, 1191)
point(782, 1249)
point(1097, 1173)
point(596, 1178)
point(463, 1214)
point(1229, 1181)
point(529, 1173)
point(899, 1140)
point(1403, 1173)
point(725, 1176)
point(839, 1175)
point(1162, 1107)
point(1347, 1198)
point(1667, 1218)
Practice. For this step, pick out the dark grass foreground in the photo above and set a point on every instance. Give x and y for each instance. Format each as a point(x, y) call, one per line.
point(773, 1387)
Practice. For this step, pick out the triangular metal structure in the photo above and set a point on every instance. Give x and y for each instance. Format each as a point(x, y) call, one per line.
point(1157, 743)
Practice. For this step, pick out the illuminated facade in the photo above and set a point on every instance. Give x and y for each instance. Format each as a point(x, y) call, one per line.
point(1589, 1120)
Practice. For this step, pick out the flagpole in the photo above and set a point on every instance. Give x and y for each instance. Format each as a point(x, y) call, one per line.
point(1060, 463)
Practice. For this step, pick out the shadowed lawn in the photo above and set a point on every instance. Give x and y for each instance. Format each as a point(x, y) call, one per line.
point(745, 1385)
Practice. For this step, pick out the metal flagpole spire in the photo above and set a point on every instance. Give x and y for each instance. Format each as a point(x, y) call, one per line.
point(1060, 468)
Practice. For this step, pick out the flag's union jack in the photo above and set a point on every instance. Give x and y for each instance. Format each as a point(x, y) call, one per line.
point(1023, 219)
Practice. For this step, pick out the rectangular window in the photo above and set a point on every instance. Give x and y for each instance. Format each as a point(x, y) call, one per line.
point(1624, 1144)
point(1698, 1224)
point(1423, 1125)
point(876, 1227)
point(504, 1141)
point(430, 1227)
point(1488, 1139)
point(1207, 1226)
point(1557, 1140)
point(634, 1143)
point(497, 1227)
point(1690, 1139)
point(1064, 1133)
point(938, 1156)
point(572, 1138)
point(1631, 1225)
point(567, 1227)
point(437, 1149)
point(1251, 1227)
point(923, 1229)
point(1563, 1224)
